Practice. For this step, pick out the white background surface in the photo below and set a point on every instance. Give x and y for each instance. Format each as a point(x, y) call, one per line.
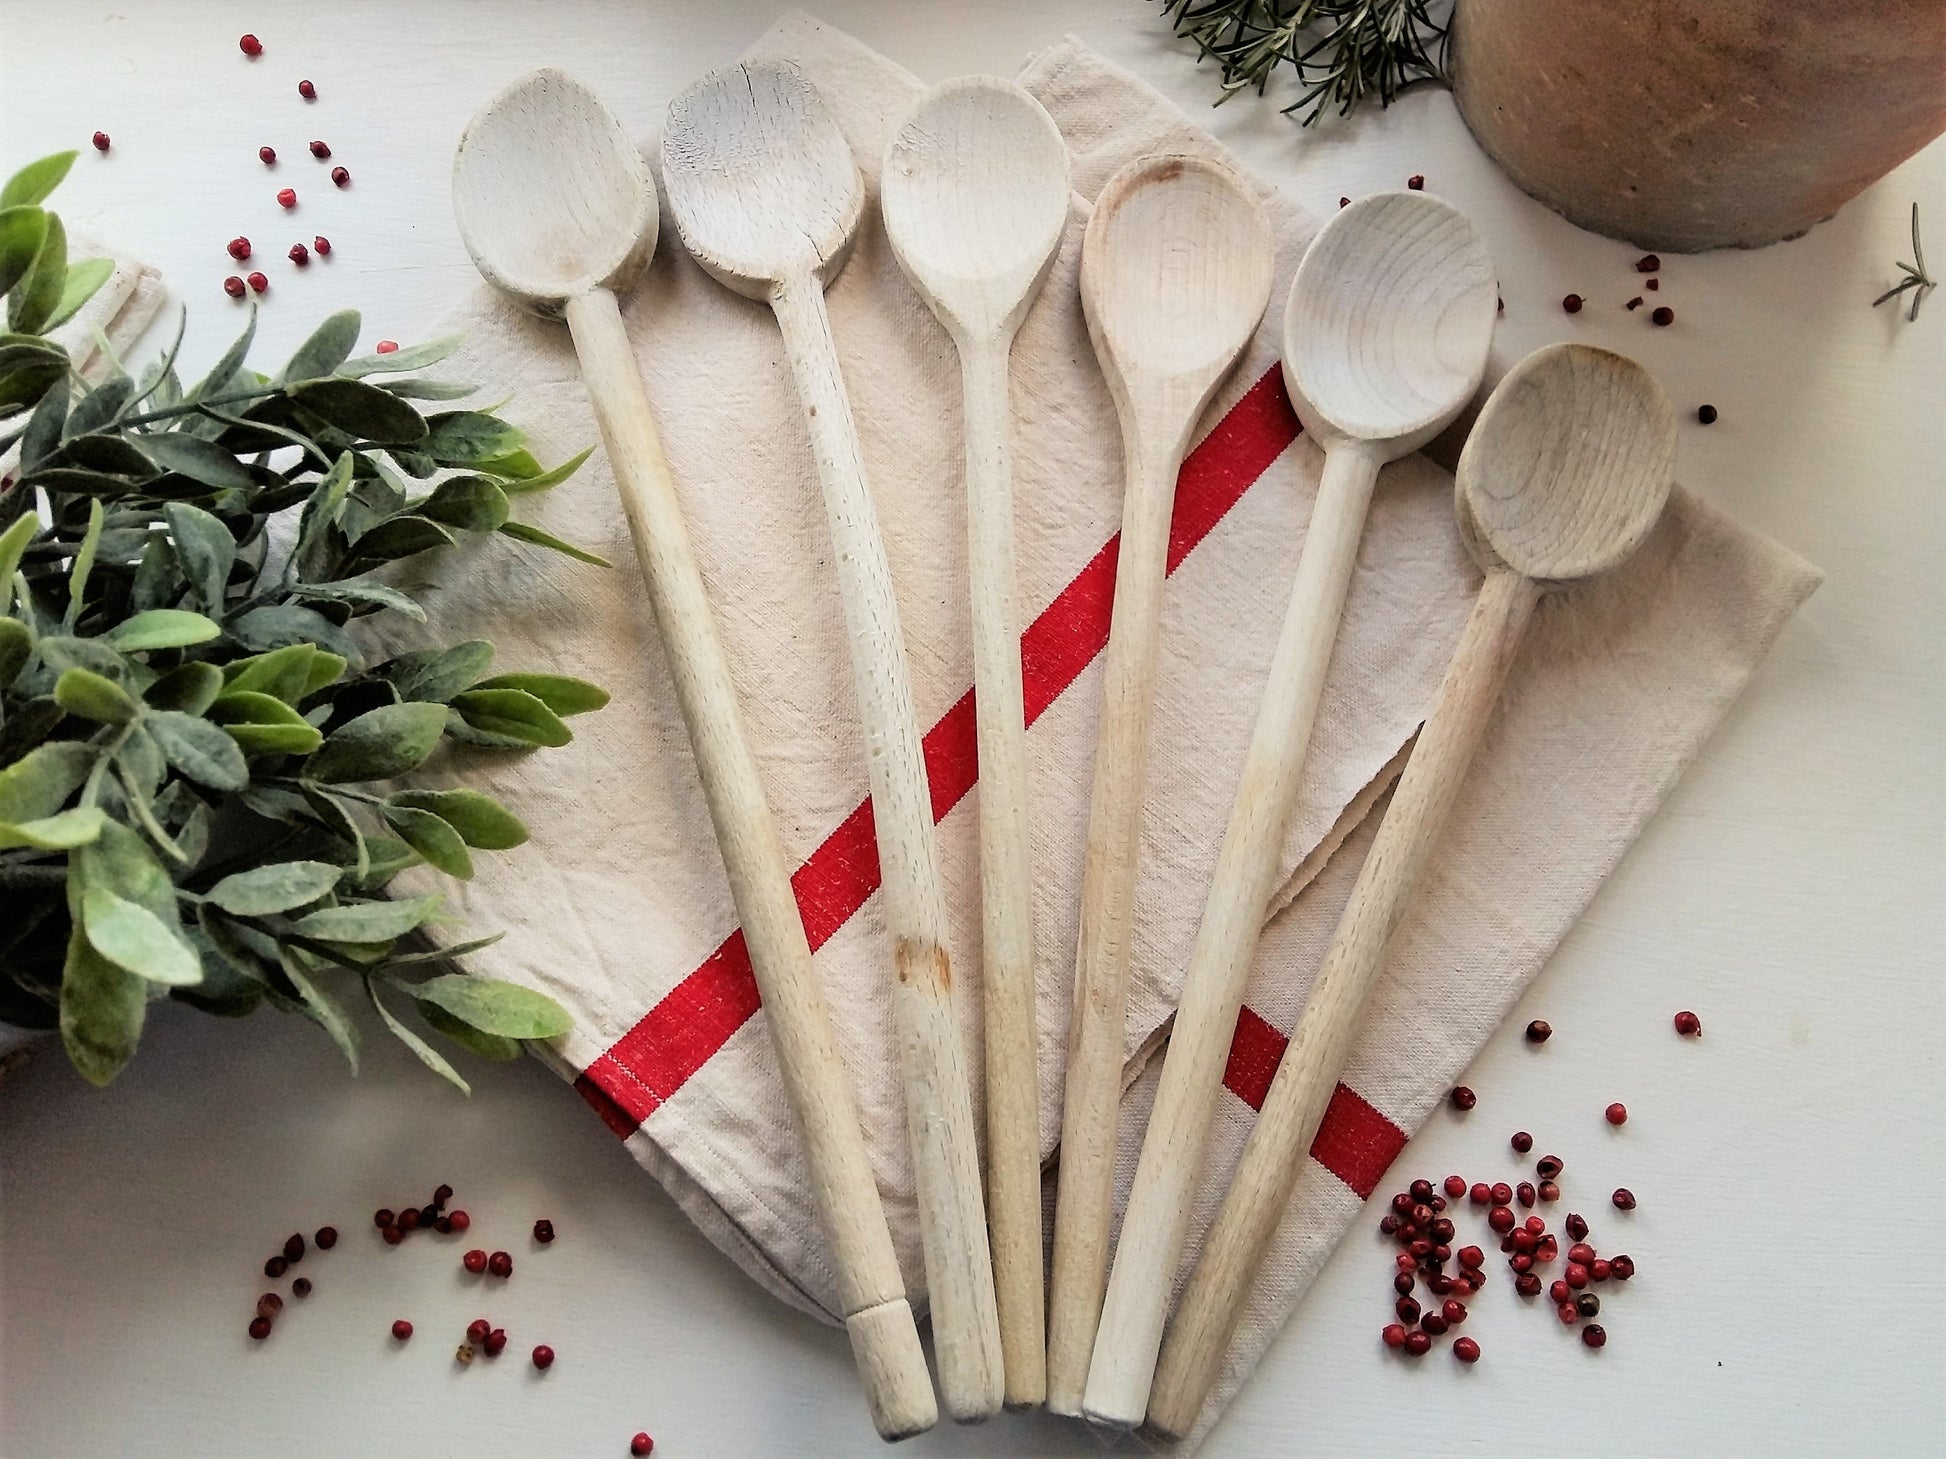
point(1788, 1165)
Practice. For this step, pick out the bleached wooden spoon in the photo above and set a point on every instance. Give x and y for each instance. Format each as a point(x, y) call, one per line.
point(1564, 475)
point(558, 210)
point(766, 195)
point(974, 193)
point(1385, 341)
point(1175, 273)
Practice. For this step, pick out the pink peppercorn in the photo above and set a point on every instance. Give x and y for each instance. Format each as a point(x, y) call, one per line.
point(1576, 1275)
point(1418, 1344)
point(1502, 1193)
point(259, 282)
point(267, 156)
point(233, 286)
point(340, 177)
point(386, 347)
point(1455, 1186)
point(500, 1264)
point(1416, 182)
point(496, 1342)
point(1560, 1291)
point(276, 1267)
point(101, 141)
point(306, 90)
point(442, 1193)
point(1466, 1350)
point(543, 1357)
point(1617, 1114)
point(1472, 1256)
point(1403, 1284)
point(322, 246)
point(408, 1219)
point(1577, 1226)
point(1662, 317)
point(642, 1444)
point(1393, 1335)
point(1527, 1284)
point(1594, 1335)
point(250, 46)
point(239, 249)
point(474, 1261)
point(1407, 1309)
point(1433, 1323)
point(459, 1220)
point(393, 1236)
point(1534, 1224)
point(401, 1329)
point(1521, 1141)
point(326, 1238)
point(1463, 1098)
point(1582, 1252)
point(1648, 263)
point(269, 1305)
point(477, 1330)
point(1501, 1219)
point(1624, 1198)
point(1539, 1031)
point(1687, 1023)
point(1600, 1269)
point(1622, 1268)
point(287, 197)
point(383, 1217)
point(1524, 1193)
point(1566, 1313)
point(300, 255)
point(1549, 1191)
point(1549, 1166)
point(1454, 1311)
point(320, 150)
point(260, 1328)
point(1481, 1194)
point(1572, 303)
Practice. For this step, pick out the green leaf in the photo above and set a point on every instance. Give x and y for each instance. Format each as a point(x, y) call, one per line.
point(217, 381)
point(263, 725)
point(32, 302)
point(495, 1007)
point(328, 347)
point(40, 782)
point(121, 862)
point(378, 744)
point(204, 546)
point(199, 749)
point(419, 387)
point(158, 576)
point(469, 502)
point(160, 628)
point(364, 591)
point(59, 651)
point(83, 565)
point(61, 832)
point(190, 687)
point(486, 1045)
point(23, 228)
point(325, 505)
point(44, 429)
point(282, 624)
point(525, 486)
point(283, 673)
point(405, 535)
point(428, 1055)
point(480, 819)
point(561, 693)
point(513, 713)
point(466, 437)
point(322, 1009)
point(437, 674)
point(16, 647)
point(98, 409)
point(522, 532)
point(13, 542)
point(362, 410)
point(82, 692)
point(133, 937)
point(279, 888)
point(387, 856)
point(200, 460)
point(83, 279)
point(102, 1007)
point(37, 179)
point(432, 838)
point(366, 921)
point(412, 357)
point(521, 465)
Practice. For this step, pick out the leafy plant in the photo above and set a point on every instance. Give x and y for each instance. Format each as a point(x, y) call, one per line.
point(1343, 51)
point(197, 763)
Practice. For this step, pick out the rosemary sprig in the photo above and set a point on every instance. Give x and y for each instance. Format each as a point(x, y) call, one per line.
point(1916, 278)
point(1342, 50)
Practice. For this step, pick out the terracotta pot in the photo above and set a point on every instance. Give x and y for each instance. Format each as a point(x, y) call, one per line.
point(1690, 124)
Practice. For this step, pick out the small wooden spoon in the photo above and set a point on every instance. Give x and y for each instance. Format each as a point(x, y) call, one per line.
point(767, 197)
point(1563, 476)
point(975, 197)
point(1175, 273)
point(1385, 341)
point(558, 210)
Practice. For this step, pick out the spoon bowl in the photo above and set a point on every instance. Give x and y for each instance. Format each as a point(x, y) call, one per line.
point(1390, 315)
point(760, 178)
point(553, 199)
point(1569, 465)
point(975, 196)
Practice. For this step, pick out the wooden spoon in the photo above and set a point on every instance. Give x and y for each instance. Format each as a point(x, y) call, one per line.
point(1385, 341)
point(975, 197)
point(558, 210)
point(1175, 273)
point(1564, 475)
point(766, 195)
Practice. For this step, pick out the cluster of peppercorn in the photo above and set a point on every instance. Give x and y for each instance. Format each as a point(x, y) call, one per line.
point(258, 282)
point(270, 1304)
point(1662, 316)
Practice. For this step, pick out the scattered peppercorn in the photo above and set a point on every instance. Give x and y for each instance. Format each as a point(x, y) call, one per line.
point(1521, 1141)
point(1687, 1023)
point(1407, 1309)
point(1653, 284)
point(1549, 1191)
point(1577, 1226)
point(543, 1357)
point(1662, 318)
point(1455, 1186)
point(294, 1247)
point(1527, 1284)
point(1648, 263)
point(1502, 1193)
point(408, 1220)
point(1617, 1113)
point(500, 1264)
point(1465, 1349)
point(1454, 1311)
point(1417, 182)
point(443, 1226)
point(1418, 1344)
point(1575, 1275)
point(250, 46)
point(260, 1328)
point(463, 1354)
point(1621, 1268)
point(496, 1341)
point(320, 151)
point(401, 1329)
point(1392, 1335)
point(442, 1194)
point(276, 1267)
point(101, 141)
point(393, 1236)
point(1560, 1291)
point(1624, 1198)
point(474, 1261)
point(386, 347)
point(1549, 1166)
point(1582, 1252)
point(1600, 1269)
point(1594, 1335)
point(301, 1287)
point(326, 1238)
point(1635, 303)
point(477, 1330)
point(322, 245)
point(383, 1218)
point(1403, 1284)
point(269, 1305)
point(428, 1216)
point(1344, 202)
point(1501, 1219)
point(1481, 1194)
point(1539, 1031)
point(267, 156)
point(239, 249)
point(543, 1231)
point(260, 283)
point(287, 197)
point(642, 1444)
point(306, 90)
point(1572, 303)
point(1566, 1313)
point(1463, 1098)
point(458, 1220)
point(1471, 1256)
point(1434, 1323)
point(340, 177)
point(233, 286)
point(1705, 415)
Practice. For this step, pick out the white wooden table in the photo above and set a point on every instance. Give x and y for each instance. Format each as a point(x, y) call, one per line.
point(1790, 1297)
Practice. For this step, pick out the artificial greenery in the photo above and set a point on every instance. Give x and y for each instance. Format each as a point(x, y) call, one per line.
point(1343, 51)
point(1916, 278)
point(192, 742)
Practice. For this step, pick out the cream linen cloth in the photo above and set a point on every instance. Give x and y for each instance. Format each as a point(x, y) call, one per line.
point(619, 907)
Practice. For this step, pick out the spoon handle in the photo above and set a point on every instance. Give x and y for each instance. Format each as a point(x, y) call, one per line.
point(1006, 879)
point(1173, 1148)
point(1275, 1154)
point(870, 1288)
point(939, 1104)
point(1092, 1100)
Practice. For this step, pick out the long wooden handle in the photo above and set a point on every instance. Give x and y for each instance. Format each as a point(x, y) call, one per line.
point(1006, 880)
point(1260, 1191)
point(939, 1103)
point(1173, 1148)
point(884, 1338)
point(1092, 1098)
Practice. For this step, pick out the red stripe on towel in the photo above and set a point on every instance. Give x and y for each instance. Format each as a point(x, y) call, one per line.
point(674, 1039)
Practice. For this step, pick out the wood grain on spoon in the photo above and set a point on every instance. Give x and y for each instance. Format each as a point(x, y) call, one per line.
point(1385, 341)
point(766, 195)
point(1563, 476)
point(558, 210)
point(1175, 273)
point(975, 197)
